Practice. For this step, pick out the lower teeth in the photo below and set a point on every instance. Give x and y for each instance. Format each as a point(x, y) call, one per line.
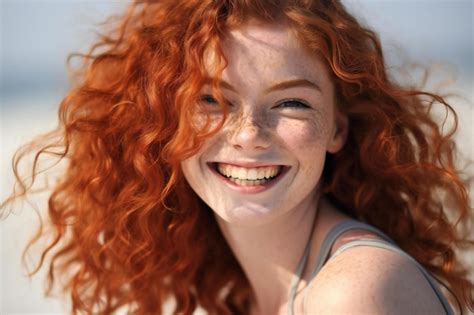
point(244, 182)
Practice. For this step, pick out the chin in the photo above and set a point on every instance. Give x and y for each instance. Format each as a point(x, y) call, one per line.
point(247, 216)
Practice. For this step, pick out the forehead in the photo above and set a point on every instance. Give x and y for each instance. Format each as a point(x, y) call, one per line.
point(267, 53)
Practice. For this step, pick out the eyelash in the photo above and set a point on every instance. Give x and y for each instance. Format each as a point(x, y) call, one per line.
point(209, 99)
point(300, 104)
point(206, 97)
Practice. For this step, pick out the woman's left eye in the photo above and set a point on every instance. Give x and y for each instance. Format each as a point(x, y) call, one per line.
point(293, 104)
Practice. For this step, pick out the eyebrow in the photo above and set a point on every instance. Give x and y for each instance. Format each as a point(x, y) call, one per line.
point(293, 83)
point(279, 86)
point(222, 83)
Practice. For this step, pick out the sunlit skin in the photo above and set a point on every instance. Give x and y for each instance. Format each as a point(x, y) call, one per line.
point(269, 123)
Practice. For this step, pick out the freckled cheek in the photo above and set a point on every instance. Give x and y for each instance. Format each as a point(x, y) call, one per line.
point(200, 120)
point(306, 140)
point(303, 135)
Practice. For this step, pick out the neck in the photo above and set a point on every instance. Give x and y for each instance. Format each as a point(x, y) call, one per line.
point(269, 254)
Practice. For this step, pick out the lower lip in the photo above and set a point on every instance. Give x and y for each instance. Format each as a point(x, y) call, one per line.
point(249, 189)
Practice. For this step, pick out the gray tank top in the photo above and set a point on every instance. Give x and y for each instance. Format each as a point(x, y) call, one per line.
point(323, 257)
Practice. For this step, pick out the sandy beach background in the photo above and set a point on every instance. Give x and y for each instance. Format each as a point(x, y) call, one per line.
point(37, 36)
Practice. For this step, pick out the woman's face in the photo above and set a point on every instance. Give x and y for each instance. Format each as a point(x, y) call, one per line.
point(268, 158)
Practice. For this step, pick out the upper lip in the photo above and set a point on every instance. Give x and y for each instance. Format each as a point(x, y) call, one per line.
point(247, 164)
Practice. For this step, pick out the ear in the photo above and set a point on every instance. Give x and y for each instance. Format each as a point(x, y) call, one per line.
point(339, 132)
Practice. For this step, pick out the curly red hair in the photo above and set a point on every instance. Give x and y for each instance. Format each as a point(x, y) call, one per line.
point(127, 229)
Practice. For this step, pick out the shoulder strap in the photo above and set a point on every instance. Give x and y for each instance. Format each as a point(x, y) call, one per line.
point(390, 246)
point(387, 243)
point(296, 278)
point(334, 233)
point(297, 275)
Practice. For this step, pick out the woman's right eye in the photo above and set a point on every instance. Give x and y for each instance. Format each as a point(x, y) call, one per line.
point(208, 99)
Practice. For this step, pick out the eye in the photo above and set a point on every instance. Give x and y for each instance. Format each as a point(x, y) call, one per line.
point(293, 104)
point(208, 99)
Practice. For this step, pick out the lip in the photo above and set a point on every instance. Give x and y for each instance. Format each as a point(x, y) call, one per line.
point(248, 189)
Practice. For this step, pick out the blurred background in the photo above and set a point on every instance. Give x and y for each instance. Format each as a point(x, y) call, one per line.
point(38, 35)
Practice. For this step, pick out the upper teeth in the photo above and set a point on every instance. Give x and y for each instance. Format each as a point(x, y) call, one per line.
point(248, 173)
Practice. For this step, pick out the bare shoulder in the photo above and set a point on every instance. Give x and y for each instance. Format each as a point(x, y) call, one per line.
point(369, 280)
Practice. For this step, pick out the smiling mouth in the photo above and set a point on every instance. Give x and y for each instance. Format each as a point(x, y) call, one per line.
point(248, 176)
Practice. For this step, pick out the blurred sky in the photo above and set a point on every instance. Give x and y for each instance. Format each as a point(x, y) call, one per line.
point(38, 35)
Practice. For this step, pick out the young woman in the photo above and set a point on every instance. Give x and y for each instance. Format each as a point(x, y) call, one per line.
point(253, 157)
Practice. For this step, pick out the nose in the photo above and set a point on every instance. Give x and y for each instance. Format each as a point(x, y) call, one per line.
point(249, 133)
